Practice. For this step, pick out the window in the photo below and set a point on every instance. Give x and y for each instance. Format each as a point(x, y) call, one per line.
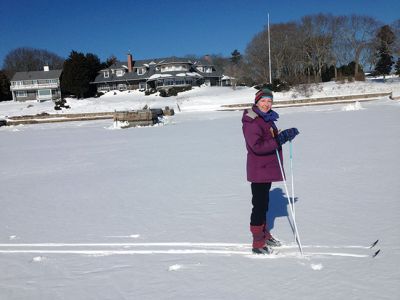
point(169, 82)
point(44, 94)
point(119, 73)
point(21, 94)
point(140, 71)
point(29, 82)
point(122, 87)
point(106, 74)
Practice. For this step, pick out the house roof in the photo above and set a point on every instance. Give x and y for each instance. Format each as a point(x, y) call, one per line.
point(203, 62)
point(159, 61)
point(151, 69)
point(34, 75)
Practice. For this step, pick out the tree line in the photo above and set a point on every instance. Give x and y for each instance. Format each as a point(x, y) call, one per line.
point(320, 48)
point(316, 48)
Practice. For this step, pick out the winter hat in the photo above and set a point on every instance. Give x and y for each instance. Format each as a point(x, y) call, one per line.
point(264, 93)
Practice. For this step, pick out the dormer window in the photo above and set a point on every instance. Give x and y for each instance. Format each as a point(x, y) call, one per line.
point(119, 73)
point(140, 71)
point(106, 74)
point(205, 69)
point(168, 68)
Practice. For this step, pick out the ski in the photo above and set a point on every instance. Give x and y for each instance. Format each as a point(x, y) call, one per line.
point(376, 253)
point(373, 244)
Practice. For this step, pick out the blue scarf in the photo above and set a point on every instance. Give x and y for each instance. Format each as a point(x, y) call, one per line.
point(268, 116)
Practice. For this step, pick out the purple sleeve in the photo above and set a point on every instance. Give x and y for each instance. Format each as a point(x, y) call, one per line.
point(255, 140)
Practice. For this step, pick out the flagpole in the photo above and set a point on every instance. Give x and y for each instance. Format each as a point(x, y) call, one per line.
point(269, 54)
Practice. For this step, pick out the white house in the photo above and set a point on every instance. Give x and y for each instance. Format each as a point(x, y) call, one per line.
point(36, 85)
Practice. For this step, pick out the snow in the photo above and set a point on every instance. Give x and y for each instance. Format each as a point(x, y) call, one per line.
point(174, 267)
point(163, 211)
point(317, 267)
point(197, 99)
point(155, 76)
point(353, 106)
point(194, 74)
point(38, 259)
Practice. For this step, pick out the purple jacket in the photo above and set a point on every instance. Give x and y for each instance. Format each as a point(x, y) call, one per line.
point(262, 162)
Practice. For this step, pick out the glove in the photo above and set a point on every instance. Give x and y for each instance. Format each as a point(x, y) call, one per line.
point(287, 135)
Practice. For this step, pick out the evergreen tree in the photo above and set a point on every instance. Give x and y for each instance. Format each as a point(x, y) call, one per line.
point(348, 70)
point(236, 57)
point(75, 77)
point(397, 67)
point(79, 70)
point(385, 61)
point(5, 93)
point(94, 65)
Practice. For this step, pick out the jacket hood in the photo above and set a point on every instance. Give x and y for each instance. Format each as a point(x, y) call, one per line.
point(249, 115)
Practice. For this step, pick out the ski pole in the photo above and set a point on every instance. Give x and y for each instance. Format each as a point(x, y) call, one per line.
point(296, 233)
point(292, 176)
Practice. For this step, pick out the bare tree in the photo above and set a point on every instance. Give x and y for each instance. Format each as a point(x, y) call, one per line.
point(257, 56)
point(305, 50)
point(286, 57)
point(358, 33)
point(30, 59)
point(318, 41)
point(396, 30)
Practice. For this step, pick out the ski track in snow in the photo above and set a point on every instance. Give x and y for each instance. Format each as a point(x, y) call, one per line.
point(226, 249)
point(173, 244)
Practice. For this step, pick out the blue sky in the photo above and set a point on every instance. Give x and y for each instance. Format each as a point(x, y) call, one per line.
point(159, 28)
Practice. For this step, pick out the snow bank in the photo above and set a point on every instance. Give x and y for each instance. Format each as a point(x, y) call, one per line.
point(197, 99)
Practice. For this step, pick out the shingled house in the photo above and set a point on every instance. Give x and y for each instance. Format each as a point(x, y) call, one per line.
point(36, 85)
point(159, 73)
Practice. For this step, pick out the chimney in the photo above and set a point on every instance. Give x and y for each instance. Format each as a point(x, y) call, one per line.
point(130, 62)
point(46, 68)
point(207, 58)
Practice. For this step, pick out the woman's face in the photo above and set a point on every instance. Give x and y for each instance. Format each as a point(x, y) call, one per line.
point(264, 104)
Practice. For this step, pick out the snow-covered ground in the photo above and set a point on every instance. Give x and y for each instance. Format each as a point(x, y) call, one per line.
point(162, 212)
point(197, 99)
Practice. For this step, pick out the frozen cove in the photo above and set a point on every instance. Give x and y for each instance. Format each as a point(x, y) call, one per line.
point(162, 212)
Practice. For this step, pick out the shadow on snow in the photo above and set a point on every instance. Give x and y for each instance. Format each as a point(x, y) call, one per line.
point(278, 207)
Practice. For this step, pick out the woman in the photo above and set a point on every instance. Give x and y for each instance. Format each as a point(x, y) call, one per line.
point(262, 139)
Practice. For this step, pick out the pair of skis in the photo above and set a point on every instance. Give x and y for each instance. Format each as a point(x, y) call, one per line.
point(281, 251)
point(377, 251)
point(292, 199)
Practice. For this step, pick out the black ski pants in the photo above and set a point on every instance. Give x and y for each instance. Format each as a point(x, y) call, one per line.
point(260, 201)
